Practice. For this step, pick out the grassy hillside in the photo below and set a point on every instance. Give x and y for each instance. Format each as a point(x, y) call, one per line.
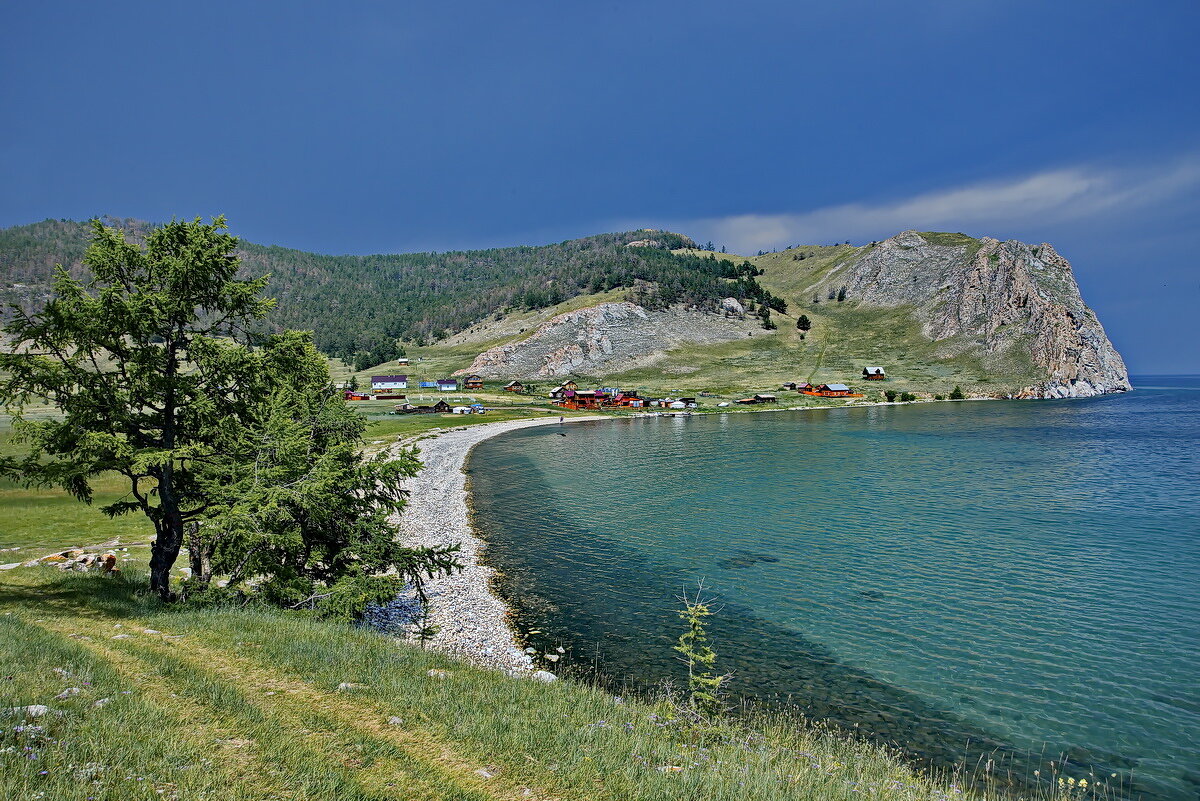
point(257, 704)
point(845, 337)
point(449, 307)
point(364, 304)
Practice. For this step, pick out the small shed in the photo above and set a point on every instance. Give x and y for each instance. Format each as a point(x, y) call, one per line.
point(514, 386)
point(874, 374)
point(789, 385)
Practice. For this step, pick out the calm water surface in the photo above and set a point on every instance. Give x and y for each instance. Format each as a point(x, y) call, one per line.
point(1015, 579)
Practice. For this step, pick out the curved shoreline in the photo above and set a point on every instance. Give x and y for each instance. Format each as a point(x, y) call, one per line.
point(471, 621)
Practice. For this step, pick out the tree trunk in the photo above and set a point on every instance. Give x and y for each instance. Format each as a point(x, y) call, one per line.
point(163, 554)
point(199, 556)
point(168, 526)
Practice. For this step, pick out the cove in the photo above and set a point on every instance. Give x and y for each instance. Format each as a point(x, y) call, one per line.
point(1005, 580)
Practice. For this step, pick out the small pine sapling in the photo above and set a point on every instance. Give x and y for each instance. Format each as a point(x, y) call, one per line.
point(704, 686)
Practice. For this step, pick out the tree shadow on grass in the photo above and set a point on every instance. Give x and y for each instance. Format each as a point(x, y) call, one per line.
point(119, 596)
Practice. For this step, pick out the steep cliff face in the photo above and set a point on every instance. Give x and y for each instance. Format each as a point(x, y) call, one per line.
point(609, 338)
point(991, 297)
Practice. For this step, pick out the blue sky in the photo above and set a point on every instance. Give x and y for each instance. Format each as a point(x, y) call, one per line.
point(395, 126)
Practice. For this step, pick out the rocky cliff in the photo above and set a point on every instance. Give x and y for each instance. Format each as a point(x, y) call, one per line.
point(609, 338)
point(991, 298)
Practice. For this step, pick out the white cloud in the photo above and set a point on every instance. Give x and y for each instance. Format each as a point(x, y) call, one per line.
point(1036, 200)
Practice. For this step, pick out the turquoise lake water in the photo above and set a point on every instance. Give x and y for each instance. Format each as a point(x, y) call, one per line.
point(1017, 580)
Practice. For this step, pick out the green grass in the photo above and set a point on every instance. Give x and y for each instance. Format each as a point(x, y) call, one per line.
point(244, 703)
point(845, 338)
point(39, 519)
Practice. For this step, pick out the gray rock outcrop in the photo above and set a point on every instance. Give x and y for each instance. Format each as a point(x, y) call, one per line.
point(608, 338)
point(992, 299)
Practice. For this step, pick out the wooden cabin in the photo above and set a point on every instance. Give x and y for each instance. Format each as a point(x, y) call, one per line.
point(514, 386)
point(473, 382)
point(803, 386)
point(874, 374)
point(833, 391)
point(789, 385)
point(441, 407)
point(570, 385)
point(765, 398)
point(581, 399)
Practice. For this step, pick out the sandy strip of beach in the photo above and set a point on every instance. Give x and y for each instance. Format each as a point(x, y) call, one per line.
point(471, 621)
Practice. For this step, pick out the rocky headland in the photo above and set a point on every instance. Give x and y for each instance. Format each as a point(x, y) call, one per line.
point(992, 297)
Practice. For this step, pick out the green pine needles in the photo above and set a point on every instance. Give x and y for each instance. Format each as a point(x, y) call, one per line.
point(705, 696)
point(236, 447)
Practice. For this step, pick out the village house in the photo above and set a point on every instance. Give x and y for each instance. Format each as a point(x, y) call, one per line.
point(581, 399)
point(385, 382)
point(833, 391)
point(354, 395)
point(447, 385)
point(763, 398)
point(789, 385)
point(803, 386)
point(473, 382)
point(874, 374)
point(514, 386)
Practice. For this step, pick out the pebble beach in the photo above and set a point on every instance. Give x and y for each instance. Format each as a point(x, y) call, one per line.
point(471, 621)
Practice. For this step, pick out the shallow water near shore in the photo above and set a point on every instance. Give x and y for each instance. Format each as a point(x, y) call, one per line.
point(1005, 580)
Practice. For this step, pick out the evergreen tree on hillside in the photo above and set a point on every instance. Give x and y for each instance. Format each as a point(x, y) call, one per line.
point(150, 365)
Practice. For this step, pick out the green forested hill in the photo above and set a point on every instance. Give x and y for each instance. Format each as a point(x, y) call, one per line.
point(363, 304)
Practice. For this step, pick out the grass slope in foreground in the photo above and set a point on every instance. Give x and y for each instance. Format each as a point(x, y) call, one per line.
point(185, 703)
